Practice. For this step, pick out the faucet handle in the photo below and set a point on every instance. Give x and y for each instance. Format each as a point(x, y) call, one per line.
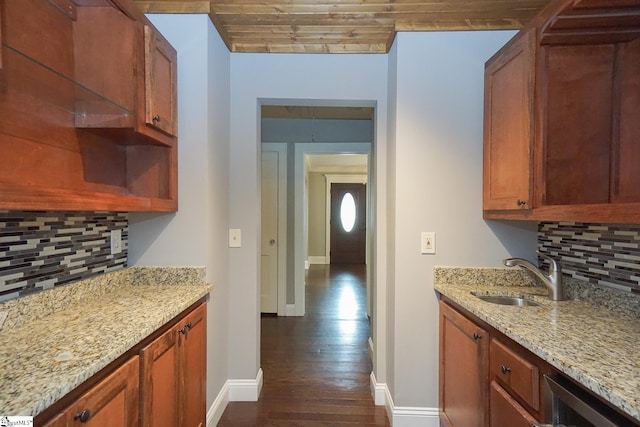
point(553, 265)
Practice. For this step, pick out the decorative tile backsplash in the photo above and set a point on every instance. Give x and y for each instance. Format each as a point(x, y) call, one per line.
point(40, 250)
point(605, 254)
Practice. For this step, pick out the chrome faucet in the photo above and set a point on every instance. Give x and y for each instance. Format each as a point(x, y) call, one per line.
point(552, 279)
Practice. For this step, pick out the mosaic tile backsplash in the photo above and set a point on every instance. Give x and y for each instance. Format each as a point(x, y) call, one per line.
point(604, 254)
point(40, 250)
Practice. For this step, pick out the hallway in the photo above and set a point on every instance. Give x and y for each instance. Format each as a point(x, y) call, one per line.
point(316, 368)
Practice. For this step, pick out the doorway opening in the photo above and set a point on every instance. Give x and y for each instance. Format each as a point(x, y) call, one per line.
point(321, 146)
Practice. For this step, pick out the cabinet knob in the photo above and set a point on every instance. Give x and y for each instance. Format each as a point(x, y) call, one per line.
point(521, 202)
point(505, 369)
point(156, 118)
point(189, 325)
point(183, 330)
point(476, 336)
point(82, 416)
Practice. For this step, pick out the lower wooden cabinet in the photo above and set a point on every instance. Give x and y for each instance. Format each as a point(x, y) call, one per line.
point(486, 380)
point(505, 411)
point(464, 361)
point(173, 373)
point(162, 384)
point(113, 402)
point(520, 376)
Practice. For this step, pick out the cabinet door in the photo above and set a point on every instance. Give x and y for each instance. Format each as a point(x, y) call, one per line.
point(193, 352)
point(577, 105)
point(508, 135)
point(160, 82)
point(626, 185)
point(159, 386)
point(505, 412)
point(464, 360)
point(111, 403)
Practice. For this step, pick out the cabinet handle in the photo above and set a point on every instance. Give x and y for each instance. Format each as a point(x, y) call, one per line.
point(505, 369)
point(82, 416)
point(476, 336)
point(186, 328)
point(156, 118)
point(521, 202)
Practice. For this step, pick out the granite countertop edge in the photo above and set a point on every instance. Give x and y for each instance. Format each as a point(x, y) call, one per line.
point(574, 336)
point(53, 341)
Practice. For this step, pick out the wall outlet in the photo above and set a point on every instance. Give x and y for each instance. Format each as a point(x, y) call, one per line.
point(116, 241)
point(428, 242)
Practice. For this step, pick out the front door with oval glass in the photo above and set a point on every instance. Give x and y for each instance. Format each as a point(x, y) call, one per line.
point(348, 223)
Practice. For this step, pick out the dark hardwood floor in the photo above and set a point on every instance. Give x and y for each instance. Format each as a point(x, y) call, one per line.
point(316, 368)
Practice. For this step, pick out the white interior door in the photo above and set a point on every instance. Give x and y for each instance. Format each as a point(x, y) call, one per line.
point(269, 238)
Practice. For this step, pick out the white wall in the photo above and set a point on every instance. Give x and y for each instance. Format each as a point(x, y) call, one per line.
point(437, 186)
point(289, 79)
point(197, 234)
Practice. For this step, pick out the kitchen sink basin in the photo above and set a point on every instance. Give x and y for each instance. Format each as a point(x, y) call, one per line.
point(507, 300)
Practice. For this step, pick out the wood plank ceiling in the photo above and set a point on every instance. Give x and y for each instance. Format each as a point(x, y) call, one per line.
point(343, 26)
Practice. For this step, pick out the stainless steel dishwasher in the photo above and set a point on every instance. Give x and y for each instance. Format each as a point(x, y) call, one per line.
point(568, 404)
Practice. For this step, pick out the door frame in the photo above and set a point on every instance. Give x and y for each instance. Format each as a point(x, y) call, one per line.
point(300, 243)
point(343, 179)
point(281, 149)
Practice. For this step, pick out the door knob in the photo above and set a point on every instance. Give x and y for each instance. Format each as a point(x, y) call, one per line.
point(272, 242)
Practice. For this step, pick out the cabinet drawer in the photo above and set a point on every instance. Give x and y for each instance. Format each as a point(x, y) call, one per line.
point(515, 373)
point(506, 412)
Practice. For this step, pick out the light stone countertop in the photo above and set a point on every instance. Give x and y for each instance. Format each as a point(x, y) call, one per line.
point(596, 345)
point(54, 340)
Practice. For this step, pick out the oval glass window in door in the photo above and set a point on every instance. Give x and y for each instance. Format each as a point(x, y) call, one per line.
point(348, 212)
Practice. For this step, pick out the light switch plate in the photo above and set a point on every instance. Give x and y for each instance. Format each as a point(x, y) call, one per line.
point(428, 242)
point(235, 238)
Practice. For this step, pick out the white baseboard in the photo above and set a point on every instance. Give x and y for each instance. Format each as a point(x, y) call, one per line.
point(245, 390)
point(318, 260)
point(403, 416)
point(219, 405)
point(290, 310)
point(378, 391)
point(234, 391)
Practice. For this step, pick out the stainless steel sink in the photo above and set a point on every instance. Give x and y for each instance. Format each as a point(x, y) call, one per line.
point(507, 300)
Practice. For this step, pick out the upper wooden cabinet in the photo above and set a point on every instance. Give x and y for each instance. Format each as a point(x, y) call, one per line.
point(74, 100)
point(586, 99)
point(160, 82)
point(508, 131)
